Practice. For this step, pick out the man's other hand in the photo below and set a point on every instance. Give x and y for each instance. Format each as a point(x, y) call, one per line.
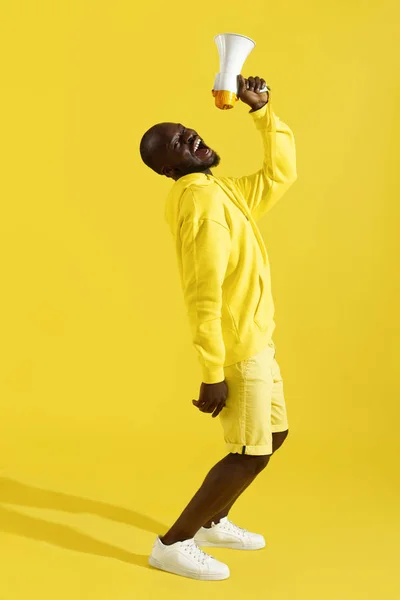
point(249, 91)
point(212, 397)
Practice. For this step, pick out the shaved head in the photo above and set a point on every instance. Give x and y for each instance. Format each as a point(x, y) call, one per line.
point(151, 145)
point(173, 150)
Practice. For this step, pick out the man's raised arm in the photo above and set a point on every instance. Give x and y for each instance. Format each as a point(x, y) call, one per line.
point(261, 190)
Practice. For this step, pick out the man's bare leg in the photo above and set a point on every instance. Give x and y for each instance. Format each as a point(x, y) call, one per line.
point(277, 440)
point(222, 484)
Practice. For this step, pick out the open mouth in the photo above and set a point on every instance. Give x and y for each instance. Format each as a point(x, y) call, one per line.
point(200, 149)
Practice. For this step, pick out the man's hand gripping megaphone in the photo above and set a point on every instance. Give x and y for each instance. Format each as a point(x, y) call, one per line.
point(249, 91)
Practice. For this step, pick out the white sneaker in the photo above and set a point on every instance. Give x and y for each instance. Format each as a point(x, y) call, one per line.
point(227, 535)
point(186, 559)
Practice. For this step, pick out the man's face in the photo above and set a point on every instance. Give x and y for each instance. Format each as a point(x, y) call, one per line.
point(181, 151)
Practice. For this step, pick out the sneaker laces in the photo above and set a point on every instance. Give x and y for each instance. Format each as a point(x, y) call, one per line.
point(192, 549)
point(229, 526)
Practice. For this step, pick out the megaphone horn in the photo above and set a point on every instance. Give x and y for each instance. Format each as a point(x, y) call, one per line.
point(233, 50)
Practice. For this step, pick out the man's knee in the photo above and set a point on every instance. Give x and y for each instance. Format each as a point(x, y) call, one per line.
point(254, 463)
point(278, 438)
point(260, 462)
point(257, 463)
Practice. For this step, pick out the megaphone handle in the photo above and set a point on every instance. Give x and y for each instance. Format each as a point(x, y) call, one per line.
point(263, 90)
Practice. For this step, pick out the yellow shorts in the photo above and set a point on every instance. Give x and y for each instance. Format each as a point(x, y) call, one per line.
point(255, 405)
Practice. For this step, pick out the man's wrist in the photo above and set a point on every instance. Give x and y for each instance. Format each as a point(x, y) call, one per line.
point(213, 374)
point(258, 106)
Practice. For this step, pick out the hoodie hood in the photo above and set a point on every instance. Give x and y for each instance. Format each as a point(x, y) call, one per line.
point(174, 198)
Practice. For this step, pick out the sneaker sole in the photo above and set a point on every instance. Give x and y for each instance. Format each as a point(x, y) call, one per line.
point(207, 577)
point(231, 545)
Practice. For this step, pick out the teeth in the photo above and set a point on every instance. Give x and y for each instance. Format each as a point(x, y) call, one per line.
point(197, 144)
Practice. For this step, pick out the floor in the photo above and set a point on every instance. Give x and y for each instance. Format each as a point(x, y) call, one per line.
point(80, 521)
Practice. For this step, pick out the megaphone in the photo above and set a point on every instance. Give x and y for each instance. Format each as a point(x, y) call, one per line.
point(233, 50)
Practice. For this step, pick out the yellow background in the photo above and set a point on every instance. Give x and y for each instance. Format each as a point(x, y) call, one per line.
point(100, 446)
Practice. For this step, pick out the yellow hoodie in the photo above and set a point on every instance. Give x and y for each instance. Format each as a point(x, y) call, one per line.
point(222, 259)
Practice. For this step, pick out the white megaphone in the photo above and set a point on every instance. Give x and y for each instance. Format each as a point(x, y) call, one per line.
point(233, 50)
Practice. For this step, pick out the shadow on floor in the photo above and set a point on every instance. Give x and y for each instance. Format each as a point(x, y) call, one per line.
point(20, 494)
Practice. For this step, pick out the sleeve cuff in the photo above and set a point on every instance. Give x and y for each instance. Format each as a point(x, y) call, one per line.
point(262, 117)
point(213, 375)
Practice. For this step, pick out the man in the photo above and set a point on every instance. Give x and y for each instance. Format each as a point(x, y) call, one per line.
point(225, 276)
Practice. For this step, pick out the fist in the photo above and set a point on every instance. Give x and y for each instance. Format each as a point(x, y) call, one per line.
point(212, 397)
point(249, 91)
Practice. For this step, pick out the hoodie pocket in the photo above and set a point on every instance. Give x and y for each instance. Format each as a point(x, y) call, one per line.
point(229, 325)
point(260, 315)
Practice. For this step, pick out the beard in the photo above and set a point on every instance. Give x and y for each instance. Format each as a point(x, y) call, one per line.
point(216, 160)
point(200, 167)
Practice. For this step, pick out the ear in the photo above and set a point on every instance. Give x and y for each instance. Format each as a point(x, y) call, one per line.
point(168, 171)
